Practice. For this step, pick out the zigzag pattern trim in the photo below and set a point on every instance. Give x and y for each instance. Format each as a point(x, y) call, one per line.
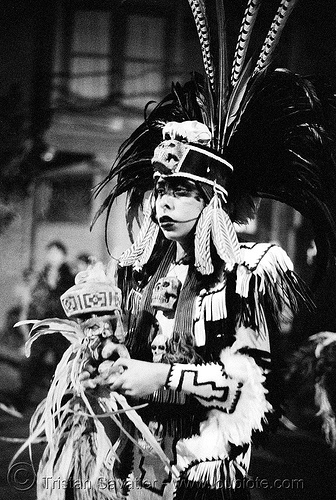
point(199, 14)
point(209, 383)
point(244, 36)
point(274, 33)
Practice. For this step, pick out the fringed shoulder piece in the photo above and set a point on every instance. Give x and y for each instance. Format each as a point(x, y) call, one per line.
point(267, 284)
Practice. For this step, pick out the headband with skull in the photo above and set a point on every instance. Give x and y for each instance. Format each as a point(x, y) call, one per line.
point(184, 153)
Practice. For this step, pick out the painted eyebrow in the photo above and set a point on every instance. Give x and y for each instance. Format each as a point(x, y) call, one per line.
point(182, 184)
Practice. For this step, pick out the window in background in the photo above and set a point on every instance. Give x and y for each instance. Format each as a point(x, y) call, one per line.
point(144, 60)
point(66, 199)
point(109, 56)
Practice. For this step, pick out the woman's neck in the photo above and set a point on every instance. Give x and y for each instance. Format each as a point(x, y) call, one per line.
point(183, 250)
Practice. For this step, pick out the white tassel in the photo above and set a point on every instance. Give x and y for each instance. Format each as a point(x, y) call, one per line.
point(138, 254)
point(224, 236)
point(209, 306)
point(203, 262)
point(215, 224)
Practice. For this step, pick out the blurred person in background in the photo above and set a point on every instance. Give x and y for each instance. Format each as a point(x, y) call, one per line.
point(51, 282)
point(14, 338)
point(81, 262)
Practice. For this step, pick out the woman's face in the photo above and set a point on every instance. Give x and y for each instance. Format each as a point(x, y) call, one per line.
point(178, 206)
point(55, 257)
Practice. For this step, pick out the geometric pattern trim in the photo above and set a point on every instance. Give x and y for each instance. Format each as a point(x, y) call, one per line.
point(80, 302)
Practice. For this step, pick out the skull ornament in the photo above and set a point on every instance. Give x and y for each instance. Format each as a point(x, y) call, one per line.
point(165, 293)
point(159, 347)
point(167, 156)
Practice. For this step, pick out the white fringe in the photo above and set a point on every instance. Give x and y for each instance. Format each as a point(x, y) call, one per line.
point(262, 259)
point(220, 428)
point(210, 305)
point(138, 254)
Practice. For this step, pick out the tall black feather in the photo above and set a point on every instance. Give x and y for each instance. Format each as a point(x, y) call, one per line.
point(132, 170)
point(275, 127)
point(283, 148)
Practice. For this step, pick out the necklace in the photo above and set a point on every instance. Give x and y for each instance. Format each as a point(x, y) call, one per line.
point(183, 261)
point(187, 251)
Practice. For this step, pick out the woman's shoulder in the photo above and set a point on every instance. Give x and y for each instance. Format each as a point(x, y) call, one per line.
point(264, 256)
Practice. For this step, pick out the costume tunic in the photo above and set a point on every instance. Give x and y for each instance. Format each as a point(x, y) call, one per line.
point(219, 349)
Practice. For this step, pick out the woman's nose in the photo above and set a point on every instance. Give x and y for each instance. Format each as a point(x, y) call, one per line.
point(166, 201)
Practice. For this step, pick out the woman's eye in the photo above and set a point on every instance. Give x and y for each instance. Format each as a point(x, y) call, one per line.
point(181, 192)
point(173, 191)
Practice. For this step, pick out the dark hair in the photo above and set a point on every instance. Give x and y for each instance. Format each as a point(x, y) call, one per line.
point(58, 244)
point(204, 191)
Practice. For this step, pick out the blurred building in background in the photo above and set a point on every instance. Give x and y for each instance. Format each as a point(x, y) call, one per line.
point(75, 77)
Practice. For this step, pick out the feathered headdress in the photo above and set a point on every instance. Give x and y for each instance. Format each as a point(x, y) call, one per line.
point(275, 128)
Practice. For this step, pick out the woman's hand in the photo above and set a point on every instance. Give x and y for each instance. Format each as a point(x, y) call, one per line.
point(89, 377)
point(113, 350)
point(137, 378)
point(85, 377)
point(128, 376)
